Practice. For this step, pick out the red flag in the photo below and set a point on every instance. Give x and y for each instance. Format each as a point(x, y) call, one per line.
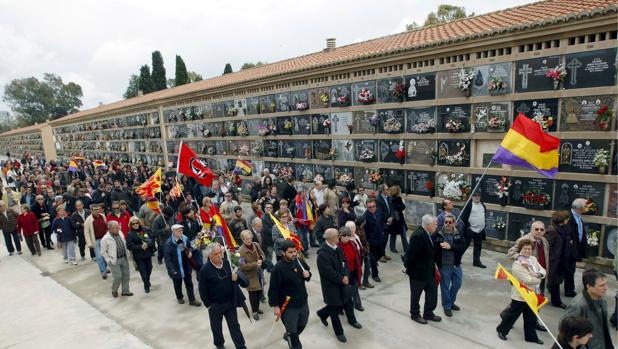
point(191, 165)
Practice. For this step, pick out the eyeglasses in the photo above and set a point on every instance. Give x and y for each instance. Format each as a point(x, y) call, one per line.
point(346, 235)
point(539, 229)
point(135, 223)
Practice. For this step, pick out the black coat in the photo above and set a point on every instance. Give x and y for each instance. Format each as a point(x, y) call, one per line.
point(458, 247)
point(420, 257)
point(78, 223)
point(205, 279)
point(286, 279)
point(332, 268)
point(162, 228)
point(559, 253)
point(190, 231)
point(578, 247)
point(324, 222)
point(374, 228)
point(134, 244)
point(385, 211)
point(170, 254)
point(399, 221)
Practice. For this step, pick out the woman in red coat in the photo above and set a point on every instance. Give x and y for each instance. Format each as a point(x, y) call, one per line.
point(28, 226)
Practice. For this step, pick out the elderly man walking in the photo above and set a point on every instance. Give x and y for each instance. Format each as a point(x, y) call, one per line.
point(579, 244)
point(177, 255)
point(114, 251)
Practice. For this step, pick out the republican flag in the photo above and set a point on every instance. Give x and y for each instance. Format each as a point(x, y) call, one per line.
point(243, 167)
point(191, 165)
point(287, 234)
point(304, 210)
point(527, 145)
point(99, 164)
point(535, 301)
point(222, 229)
point(151, 186)
point(72, 166)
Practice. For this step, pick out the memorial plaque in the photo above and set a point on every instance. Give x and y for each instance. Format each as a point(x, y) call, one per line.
point(448, 84)
point(533, 193)
point(231, 129)
point(364, 93)
point(361, 178)
point(241, 106)
point(394, 177)
point(206, 110)
point(421, 152)
point(283, 102)
point(217, 129)
point(459, 113)
point(244, 147)
point(242, 128)
point(304, 173)
point(592, 229)
point(299, 100)
point(365, 121)
point(258, 167)
point(319, 125)
point(540, 110)
point(415, 210)
point(345, 150)
point(493, 79)
point(421, 183)
point(611, 239)
point(612, 209)
point(253, 125)
point(319, 98)
point(420, 87)
point(325, 171)
point(268, 104)
point(490, 117)
point(287, 149)
point(304, 149)
point(302, 124)
point(285, 126)
point(253, 105)
point(567, 191)
point(421, 120)
point(391, 120)
point(340, 95)
point(218, 110)
point(388, 148)
point(496, 224)
point(530, 74)
point(321, 149)
point(391, 90)
point(221, 147)
point(267, 127)
point(454, 153)
point(222, 165)
point(591, 69)
point(342, 123)
point(344, 175)
point(615, 158)
point(489, 189)
point(271, 148)
point(578, 155)
point(209, 148)
point(366, 150)
point(580, 113)
point(229, 109)
point(520, 224)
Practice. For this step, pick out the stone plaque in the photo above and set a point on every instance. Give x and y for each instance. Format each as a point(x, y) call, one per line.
point(207, 110)
point(345, 150)
point(271, 148)
point(229, 108)
point(341, 123)
point(391, 90)
point(218, 110)
point(325, 171)
point(304, 149)
point(217, 129)
point(340, 95)
point(580, 113)
point(285, 126)
point(611, 239)
point(578, 155)
point(287, 149)
point(253, 126)
point(540, 110)
point(268, 104)
point(460, 113)
point(421, 120)
point(520, 224)
point(364, 93)
point(420, 87)
point(567, 191)
point(448, 84)
point(267, 125)
point(490, 117)
point(388, 148)
point(361, 178)
point(454, 153)
point(366, 150)
point(496, 224)
point(489, 189)
point(530, 74)
point(258, 167)
point(299, 100)
point(283, 102)
point(319, 98)
point(364, 121)
point(493, 79)
point(612, 209)
point(391, 120)
point(415, 210)
point(394, 177)
point(253, 105)
point(533, 193)
point(321, 149)
point(421, 183)
point(344, 175)
point(304, 173)
point(302, 124)
point(591, 69)
point(421, 152)
point(319, 125)
point(241, 107)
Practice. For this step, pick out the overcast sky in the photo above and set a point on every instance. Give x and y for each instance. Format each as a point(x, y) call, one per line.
point(99, 44)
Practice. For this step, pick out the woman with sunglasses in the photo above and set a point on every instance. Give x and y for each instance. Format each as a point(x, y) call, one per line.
point(142, 246)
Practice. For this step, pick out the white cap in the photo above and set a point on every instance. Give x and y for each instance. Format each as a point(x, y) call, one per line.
point(177, 226)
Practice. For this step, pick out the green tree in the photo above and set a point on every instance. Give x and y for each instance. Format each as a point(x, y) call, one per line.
point(193, 76)
point(133, 88)
point(228, 69)
point(252, 65)
point(182, 77)
point(158, 71)
point(33, 100)
point(146, 85)
point(412, 26)
point(445, 13)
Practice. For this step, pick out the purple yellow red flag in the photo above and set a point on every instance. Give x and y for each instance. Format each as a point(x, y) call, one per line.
point(287, 234)
point(222, 229)
point(151, 186)
point(535, 301)
point(72, 166)
point(243, 167)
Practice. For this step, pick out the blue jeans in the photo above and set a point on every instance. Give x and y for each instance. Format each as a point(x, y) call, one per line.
point(100, 260)
point(304, 234)
point(450, 284)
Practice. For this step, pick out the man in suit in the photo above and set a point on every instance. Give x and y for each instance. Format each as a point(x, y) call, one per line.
point(374, 233)
point(420, 267)
point(77, 221)
point(579, 243)
point(384, 207)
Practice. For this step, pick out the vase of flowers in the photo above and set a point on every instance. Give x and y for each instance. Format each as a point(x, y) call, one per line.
point(365, 96)
point(392, 125)
point(307, 176)
point(455, 187)
point(332, 154)
point(604, 117)
point(454, 125)
point(502, 190)
point(466, 75)
point(601, 160)
point(326, 123)
point(546, 121)
point(288, 126)
point(557, 74)
point(499, 224)
point(593, 238)
point(591, 207)
point(424, 127)
point(342, 100)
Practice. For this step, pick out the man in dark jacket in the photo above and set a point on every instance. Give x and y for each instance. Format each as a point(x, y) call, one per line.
point(77, 221)
point(288, 279)
point(374, 233)
point(65, 235)
point(220, 292)
point(579, 244)
point(473, 218)
point(385, 209)
point(142, 247)
point(162, 229)
point(335, 282)
point(8, 225)
point(420, 266)
point(267, 228)
point(449, 246)
point(178, 253)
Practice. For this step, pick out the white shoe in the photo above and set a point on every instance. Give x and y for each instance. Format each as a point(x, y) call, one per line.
point(74, 262)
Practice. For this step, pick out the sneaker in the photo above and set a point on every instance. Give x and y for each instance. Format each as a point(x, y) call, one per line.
point(73, 262)
point(387, 258)
point(127, 294)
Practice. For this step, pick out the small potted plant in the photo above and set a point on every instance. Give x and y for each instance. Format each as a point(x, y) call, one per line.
point(557, 74)
point(601, 160)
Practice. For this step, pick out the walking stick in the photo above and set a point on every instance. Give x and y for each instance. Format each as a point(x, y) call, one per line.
point(283, 307)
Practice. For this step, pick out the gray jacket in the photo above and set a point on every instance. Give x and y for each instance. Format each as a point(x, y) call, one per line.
point(278, 238)
point(596, 312)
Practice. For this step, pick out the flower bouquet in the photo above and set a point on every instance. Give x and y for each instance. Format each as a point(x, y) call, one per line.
point(466, 75)
point(433, 154)
point(495, 123)
point(243, 150)
point(203, 239)
point(604, 117)
point(454, 125)
point(264, 131)
point(367, 155)
point(307, 176)
point(430, 188)
point(326, 125)
point(290, 151)
point(232, 112)
point(533, 198)
point(324, 99)
point(601, 159)
point(399, 90)
point(496, 83)
point(342, 100)
point(236, 259)
point(392, 125)
point(211, 151)
point(457, 158)
point(545, 121)
point(257, 149)
point(502, 188)
point(300, 106)
point(332, 154)
point(400, 154)
point(365, 96)
point(455, 187)
point(375, 177)
point(593, 238)
point(424, 127)
point(288, 126)
point(285, 172)
point(206, 132)
point(242, 129)
point(344, 179)
point(499, 224)
point(557, 74)
point(591, 207)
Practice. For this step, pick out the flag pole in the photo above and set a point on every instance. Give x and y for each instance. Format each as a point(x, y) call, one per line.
point(473, 190)
point(548, 331)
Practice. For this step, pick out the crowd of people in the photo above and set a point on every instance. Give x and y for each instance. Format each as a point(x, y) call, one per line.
point(96, 211)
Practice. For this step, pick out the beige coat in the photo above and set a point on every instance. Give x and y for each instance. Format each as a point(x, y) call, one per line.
point(332, 200)
point(249, 267)
point(108, 248)
point(526, 276)
point(513, 253)
point(89, 231)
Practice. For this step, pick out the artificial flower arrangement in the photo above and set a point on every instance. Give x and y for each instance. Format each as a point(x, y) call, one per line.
point(232, 112)
point(392, 125)
point(257, 149)
point(345, 179)
point(243, 150)
point(496, 83)
point(365, 96)
point(206, 132)
point(429, 186)
point(300, 106)
point(272, 106)
point(593, 238)
point(367, 155)
point(591, 207)
point(399, 90)
point(290, 151)
point(604, 117)
point(234, 149)
point(496, 122)
point(466, 75)
point(342, 99)
point(457, 158)
point(326, 125)
point(242, 129)
point(332, 154)
point(324, 99)
point(307, 153)
point(307, 175)
point(557, 74)
point(236, 260)
point(499, 224)
point(263, 131)
point(400, 154)
point(601, 159)
point(288, 125)
point(285, 172)
point(534, 198)
point(424, 127)
point(546, 121)
point(454, 125)
point(502, 188)
point(375, 177)
point(455, 187)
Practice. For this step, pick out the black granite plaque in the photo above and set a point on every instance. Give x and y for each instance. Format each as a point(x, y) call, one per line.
point(340, 95)
point(271, 148)
point(496, 224)
point(421, 151)
point(490, 117)
point(320, 124)
point(302, 124)
point(361, 177)
point(217, 129)
point(253, 125)
point(578, 156)
point(287, 149)
point(520, 224)
point(285, 126)
point(591, 69)
point(420, 87)
point(421, 183)
point(365, 121)
point(543, 111)
point(253, 105)
point(530, 74)
point(388, 149)
point(305, 173)
point(391, 90)
point(299, 100)
point(364, 93)
point(459, 113)
point(496, 79)
point(218, 110)
point(394, 177)
point(489, 189)
point(454, 153)
point(268, 104)
point(206, 110)
point(325, 171)
point(319, 98)
point(392, 120)
point(581, 113)
point(283, 102)
point(304, 149)
point(448, 84)
point(567, 191)
point(229, 109)
point(421, 120)
point(321, 149)
point(366, 150)
point(533, 193)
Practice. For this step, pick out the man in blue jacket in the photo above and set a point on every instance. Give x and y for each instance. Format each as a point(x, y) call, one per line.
point(177, 255)
point(374, 232)
point(65, 235)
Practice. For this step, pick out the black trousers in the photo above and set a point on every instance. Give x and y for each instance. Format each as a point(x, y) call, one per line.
point(216, 312)
point(144, 266)
point(45, 237)
point(554, 291)
point(478, 246)
point(332, 311)
point(33, 244)
point(188, 284)
point(569, 277)
point(375, 253)
point(417, 287)
point(511, 314)
point(295, 321)
point(254, 300)
point(81, 242)
point(10, 239)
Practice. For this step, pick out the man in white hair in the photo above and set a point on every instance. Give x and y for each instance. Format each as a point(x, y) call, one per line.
point(421, 267)
point(114, 250)
point(579, 244)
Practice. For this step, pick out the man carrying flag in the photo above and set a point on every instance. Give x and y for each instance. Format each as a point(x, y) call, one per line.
point(282, 231)
point(191, 165)
point(151, 187)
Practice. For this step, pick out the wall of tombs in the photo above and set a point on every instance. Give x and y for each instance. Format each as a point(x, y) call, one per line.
point(405, 121)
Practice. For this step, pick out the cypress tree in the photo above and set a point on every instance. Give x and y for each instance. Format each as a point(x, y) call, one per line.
point(182, 77)
point(227, 69)
point(145, 80)
point(158, 71)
